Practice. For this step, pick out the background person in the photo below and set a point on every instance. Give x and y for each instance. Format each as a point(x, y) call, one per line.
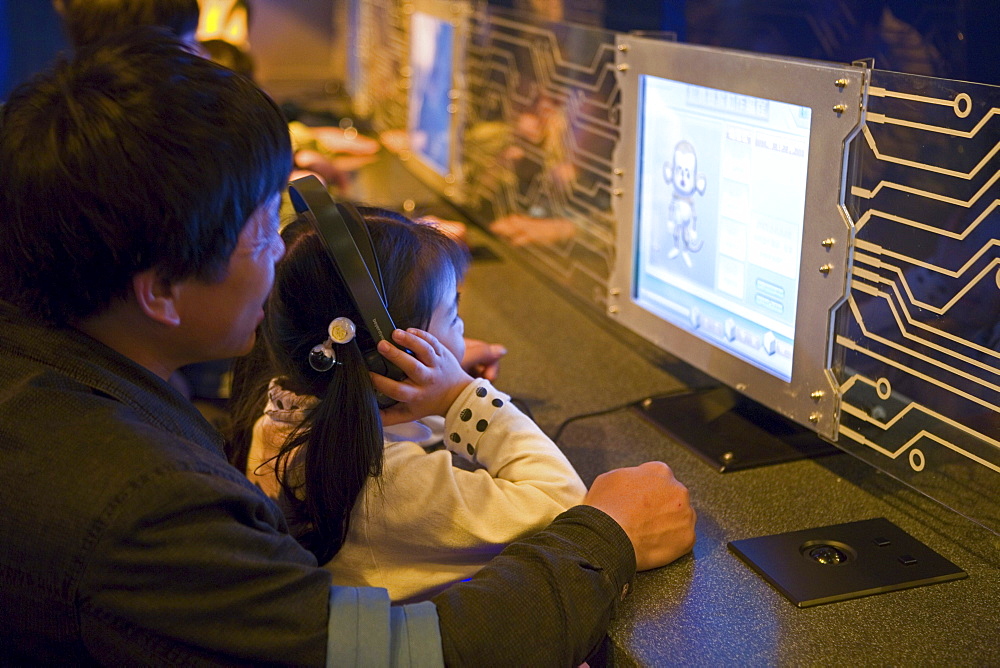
point(88, 21)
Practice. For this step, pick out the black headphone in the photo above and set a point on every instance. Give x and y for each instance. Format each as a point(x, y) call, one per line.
point(348, 243)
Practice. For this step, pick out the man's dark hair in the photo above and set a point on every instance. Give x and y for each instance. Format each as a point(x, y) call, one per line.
point(88, 21)
point(133, 155)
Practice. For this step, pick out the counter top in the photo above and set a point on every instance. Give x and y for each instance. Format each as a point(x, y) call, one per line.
point(709, 608)
point(567, 360)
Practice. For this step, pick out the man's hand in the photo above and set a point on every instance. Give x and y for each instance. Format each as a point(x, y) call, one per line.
point(653, 508)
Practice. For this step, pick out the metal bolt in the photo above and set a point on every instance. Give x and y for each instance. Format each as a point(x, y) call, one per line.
point(828, 243)
point(817, 394)
point(840, 108)
point(840, 83)
point(826, 268)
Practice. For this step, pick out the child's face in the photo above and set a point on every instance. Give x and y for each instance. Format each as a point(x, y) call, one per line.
point(446, 324)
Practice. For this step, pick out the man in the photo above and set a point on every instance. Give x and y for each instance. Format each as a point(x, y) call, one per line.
point(138, 204)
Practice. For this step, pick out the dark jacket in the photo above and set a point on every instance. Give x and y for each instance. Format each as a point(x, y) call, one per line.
point(124, 529)
point(126, 538)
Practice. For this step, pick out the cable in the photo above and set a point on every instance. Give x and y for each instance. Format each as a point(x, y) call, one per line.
point(606, 411)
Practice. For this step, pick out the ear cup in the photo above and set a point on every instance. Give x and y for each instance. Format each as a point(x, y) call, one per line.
point(380, 365)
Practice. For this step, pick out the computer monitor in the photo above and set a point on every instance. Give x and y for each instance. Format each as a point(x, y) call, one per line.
point(438, 30)
point(733, 244)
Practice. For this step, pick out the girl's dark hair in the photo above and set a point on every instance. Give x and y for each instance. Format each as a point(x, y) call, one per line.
point(325, 462)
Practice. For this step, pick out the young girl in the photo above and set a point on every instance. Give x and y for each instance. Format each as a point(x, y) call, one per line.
point(374, 505)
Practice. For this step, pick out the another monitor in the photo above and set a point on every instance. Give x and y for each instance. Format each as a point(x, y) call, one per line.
point(438, 30)
point(733, 245)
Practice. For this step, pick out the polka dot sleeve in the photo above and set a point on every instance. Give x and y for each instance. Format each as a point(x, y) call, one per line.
point(470, 416)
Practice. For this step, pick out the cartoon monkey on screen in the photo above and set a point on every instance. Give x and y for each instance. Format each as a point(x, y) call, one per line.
point(682, 174)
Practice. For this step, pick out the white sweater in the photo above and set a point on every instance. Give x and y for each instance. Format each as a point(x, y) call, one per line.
point(427, 523)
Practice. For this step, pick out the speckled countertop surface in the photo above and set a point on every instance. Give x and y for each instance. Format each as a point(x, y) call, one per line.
point(709, 608)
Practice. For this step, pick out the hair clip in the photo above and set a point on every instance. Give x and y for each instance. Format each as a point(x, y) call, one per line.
point(341, 330)
point(322, 357)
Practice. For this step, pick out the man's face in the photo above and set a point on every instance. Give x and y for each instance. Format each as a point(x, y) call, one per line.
point(219, 319)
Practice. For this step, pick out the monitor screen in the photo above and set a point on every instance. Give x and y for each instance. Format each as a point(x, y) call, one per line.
point(429, 116)
point(732, 244)
point(719, 216)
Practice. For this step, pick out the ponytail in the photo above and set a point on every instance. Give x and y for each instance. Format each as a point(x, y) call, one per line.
point(324, 465)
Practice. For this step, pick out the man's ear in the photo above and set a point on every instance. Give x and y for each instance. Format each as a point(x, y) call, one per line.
point(156, 297)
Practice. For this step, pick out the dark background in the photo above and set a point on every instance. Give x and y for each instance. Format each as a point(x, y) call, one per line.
point(954, 39)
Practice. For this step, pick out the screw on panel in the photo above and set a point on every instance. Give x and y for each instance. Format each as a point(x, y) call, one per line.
point(623, 47)
point(623, 67)
point(814, 417)
point(828, 243)
point(840, 108)
point(826, 269)
point(817, 394)
point(840, 83)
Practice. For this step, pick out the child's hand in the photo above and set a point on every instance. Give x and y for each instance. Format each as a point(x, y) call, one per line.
point(434, 378)
point(482, 360)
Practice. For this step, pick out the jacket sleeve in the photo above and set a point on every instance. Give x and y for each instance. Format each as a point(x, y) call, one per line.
point(546, 600)
point(427, 510)
point(525, 480)
point(191, 565)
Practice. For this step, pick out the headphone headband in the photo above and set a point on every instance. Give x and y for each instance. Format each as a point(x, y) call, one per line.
point(346, 239)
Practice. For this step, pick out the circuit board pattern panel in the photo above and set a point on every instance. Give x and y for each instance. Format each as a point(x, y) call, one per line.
point(541, 132)
point(919, 336)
